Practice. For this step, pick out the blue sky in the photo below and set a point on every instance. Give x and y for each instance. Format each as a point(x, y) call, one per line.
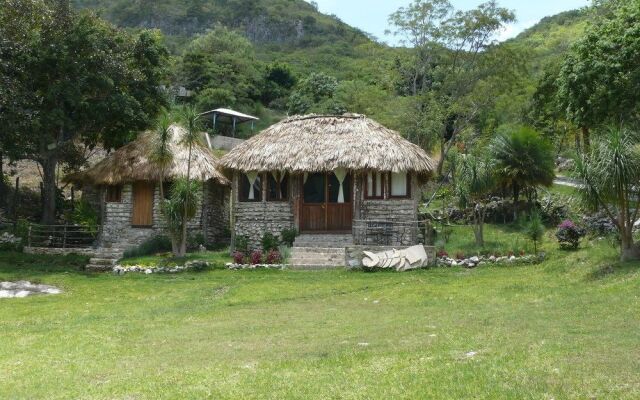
point(371, 15)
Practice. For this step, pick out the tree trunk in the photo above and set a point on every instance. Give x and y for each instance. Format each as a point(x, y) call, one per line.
point(183, 241)
point(49, 164)
point(628, 249)
point(586, 139)
point(516, 195)
point(578, 143)
point(478, 229)
point(3, 191)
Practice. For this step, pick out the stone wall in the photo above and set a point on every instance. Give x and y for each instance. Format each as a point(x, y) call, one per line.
point(355, 254)
point(117, 231)
point(89, 252)
point(216, 210)
point(254, 219)
point(224, 142)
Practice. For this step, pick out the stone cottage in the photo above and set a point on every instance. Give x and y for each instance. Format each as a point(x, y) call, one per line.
point(125, 185)
point(340, 181)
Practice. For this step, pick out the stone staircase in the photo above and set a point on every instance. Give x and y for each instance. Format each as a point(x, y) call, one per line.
point(104, 259)
point(320, 251)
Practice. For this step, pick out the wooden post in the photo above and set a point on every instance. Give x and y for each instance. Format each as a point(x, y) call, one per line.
point(64, 236)
point(29, 236)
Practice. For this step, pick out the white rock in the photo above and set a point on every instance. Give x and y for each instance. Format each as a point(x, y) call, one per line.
point(148, 271)
point(474, 259)
point(22, 293)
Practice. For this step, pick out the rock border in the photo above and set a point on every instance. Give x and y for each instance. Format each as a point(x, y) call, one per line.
point(478, 261)
point(194, 265)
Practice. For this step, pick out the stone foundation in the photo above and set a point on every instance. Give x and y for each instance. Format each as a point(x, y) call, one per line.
point(90, 252)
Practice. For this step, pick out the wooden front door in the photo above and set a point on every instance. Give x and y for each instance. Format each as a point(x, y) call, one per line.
point(142, 214)
point(322, 209)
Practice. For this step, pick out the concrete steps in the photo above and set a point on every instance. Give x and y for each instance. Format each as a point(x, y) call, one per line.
point(104, 259)
point(317, 257)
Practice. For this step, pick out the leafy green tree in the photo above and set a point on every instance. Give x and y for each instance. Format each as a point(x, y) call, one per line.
point(476, 180)
point(277, 82)
point(220, 66)
point(448, 62)
point(87, 82)
point(611, 175)
point(599, 82)
point(523, 161)
point(314, 93)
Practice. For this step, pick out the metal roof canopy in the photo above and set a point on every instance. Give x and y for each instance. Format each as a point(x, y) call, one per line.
point(234, 117)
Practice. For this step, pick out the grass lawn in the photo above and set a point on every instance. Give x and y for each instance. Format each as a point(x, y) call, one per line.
point(567, 328)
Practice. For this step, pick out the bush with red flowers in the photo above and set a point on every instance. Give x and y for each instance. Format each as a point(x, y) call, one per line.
point(238, 257)
point(274, 257)
point(256, 257)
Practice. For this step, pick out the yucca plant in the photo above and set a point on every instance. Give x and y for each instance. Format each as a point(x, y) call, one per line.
point(610, 172)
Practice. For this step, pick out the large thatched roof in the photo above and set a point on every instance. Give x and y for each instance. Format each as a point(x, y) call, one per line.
point(132, 163)
point(315, 143)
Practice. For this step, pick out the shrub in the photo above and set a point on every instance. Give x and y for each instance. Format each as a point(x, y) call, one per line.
point(535, 229)
point(195, 241)
point(85, 215)
point(289, 236)
point(153, 245)
point(269, 242)
point(459, 255)
point(569, 235)
point(442, 253)
point(285, 253)
point(274, 257)
point(238, 257)
point(9, 242)
point(256, 257)
point(242, 243)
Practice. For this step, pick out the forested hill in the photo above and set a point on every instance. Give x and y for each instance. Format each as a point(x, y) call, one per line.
point(292, 23)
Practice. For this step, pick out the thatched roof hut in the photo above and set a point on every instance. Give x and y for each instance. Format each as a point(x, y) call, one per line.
point(316, 143)
point(132, 163)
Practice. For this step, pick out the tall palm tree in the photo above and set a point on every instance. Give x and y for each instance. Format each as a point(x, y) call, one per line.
point(161, 153)
point(611, 175)
point(523, 161)
point(192, 122)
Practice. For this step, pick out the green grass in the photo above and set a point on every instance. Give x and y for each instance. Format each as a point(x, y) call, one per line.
point(564, 329)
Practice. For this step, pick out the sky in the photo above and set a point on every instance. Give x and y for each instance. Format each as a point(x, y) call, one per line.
point(371, 15)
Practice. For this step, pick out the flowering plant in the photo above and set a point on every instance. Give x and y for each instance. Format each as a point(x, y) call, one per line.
point(256, 257)
point(274, 257)
point(569, 235)
point(238, 257)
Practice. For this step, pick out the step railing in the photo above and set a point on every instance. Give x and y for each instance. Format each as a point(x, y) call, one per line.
point(62, 236)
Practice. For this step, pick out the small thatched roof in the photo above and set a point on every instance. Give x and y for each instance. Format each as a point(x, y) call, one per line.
point(132, 163)
point(316, 143)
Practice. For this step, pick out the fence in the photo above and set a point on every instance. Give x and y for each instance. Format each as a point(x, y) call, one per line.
point(389, 233)
point(62, 236)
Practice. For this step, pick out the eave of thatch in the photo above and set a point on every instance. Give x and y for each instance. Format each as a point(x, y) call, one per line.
point(315, 143)
point(132, 163)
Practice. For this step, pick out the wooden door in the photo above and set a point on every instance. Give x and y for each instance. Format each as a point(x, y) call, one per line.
point(314, 207)
point(321, 210)
point(142, 214)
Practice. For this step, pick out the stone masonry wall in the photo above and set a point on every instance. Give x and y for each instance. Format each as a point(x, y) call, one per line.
point(216, 213)
point(117, 231)
point(254, 219)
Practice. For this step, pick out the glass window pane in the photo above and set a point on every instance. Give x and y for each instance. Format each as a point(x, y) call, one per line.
point(379, 184)
point(398, 184)
point(370, 185)
point(314, 189)
point(334, 188)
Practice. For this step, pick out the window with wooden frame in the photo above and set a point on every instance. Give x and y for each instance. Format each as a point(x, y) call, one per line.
point(373, 185)
point(399, 185)
point(113, 194)
point(250, 187)
point(277, 186)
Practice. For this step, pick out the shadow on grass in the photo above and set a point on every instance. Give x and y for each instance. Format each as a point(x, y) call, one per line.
point(614, 270)
point(20, 264)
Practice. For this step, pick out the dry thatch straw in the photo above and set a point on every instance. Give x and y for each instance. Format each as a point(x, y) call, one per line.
point(316, 143)
point(132, 163)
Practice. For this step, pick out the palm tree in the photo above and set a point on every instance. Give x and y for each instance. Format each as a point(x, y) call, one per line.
point(161, 154)
point(192, 136)
point(523, 161)
point(475, 182)
point(611, 175)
